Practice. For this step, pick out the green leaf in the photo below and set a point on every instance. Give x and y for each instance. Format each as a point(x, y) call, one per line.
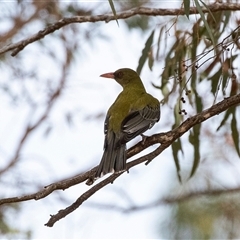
point(176, 147)
point(205, 21)
point(194, 140)
point(227, 15)
point(234, 128)
point(228, 112)
point(145, 52)
point(186, 4)
point(206, 6)
point(199, 104)
point(235, 133)
point(177, 116)
point(113, 10)
point(215, 80)
point(194, 136)
point(162, 30)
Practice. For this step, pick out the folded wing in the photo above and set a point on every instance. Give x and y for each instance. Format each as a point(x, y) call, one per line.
point(137, 122)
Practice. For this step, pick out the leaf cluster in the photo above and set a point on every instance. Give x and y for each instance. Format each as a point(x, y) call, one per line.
point(199, 56)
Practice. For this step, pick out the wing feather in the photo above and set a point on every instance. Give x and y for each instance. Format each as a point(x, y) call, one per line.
point(138, 122)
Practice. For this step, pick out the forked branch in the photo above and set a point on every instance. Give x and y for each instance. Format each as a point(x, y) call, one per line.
point(164, 139)
point(18, 46)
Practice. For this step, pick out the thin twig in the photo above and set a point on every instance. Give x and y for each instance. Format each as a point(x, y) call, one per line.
point(17, 47)
point(166, 139)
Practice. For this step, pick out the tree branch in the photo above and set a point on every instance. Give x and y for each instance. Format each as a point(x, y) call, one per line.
point(17, 47)
point(165, 139)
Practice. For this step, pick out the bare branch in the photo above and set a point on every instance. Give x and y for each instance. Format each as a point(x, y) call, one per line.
point(17, 47)
point(166, 139)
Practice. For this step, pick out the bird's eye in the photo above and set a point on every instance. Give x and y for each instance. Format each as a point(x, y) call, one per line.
point(119, 74)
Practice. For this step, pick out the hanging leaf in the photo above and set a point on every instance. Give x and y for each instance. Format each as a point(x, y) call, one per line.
point(145, 52)
point(177, 116)
point(235, 133)
point(199, 104)
point(227, 114)
point(205, 22)
point(206, 6)
point(186, 4)
point(176, 147)
point(195, 135)
point(194, 140)
point(215, 80)
point(161, 32)
point(113, 10)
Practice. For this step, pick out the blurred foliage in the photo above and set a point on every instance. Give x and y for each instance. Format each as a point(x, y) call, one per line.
point(196, 57)
point(193, 51)
point(29, 85)
point(204, 218)
point(7, 231)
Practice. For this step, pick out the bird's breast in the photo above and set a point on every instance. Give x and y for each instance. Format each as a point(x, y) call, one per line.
point(126, 103)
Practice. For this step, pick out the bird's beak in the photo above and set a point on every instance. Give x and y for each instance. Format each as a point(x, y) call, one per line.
point(108, 75)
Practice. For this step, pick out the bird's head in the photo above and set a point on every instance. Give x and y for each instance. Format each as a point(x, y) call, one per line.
point(123, 76)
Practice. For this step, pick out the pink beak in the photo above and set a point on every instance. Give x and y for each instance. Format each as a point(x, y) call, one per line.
point(108, 75)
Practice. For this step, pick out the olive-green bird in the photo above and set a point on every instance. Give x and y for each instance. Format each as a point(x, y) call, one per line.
point(133, 112)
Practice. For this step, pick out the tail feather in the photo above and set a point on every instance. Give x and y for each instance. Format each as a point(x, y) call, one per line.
point(114, 156)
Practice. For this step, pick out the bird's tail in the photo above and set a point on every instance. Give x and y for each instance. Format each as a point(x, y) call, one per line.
point(114, 156)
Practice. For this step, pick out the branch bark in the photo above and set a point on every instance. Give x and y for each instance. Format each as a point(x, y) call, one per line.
point(17, 47)
point(164, 139)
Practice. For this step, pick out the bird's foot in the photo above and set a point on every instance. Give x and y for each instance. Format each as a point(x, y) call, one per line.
point(90, 180)
point(144, 137)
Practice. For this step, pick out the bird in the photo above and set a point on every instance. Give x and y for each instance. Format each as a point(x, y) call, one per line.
point(133, 112)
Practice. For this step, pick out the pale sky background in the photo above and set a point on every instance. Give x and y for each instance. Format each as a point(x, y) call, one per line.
point(68, 151)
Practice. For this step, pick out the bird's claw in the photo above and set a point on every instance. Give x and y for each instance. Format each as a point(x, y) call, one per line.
point(144, 138)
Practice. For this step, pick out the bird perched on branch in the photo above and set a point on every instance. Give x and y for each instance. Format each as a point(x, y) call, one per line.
point(133, 112)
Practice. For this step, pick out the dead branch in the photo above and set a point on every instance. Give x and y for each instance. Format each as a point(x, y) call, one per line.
point(17, 47)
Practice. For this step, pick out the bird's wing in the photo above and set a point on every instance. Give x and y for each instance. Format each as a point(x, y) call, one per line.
point(138, 122)
point(106, 123)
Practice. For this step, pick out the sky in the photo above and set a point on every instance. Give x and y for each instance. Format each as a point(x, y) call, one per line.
point(67, 151)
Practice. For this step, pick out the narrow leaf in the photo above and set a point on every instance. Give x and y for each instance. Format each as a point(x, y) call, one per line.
point(194, 140)
point(235, 133)
point(145, 52)
point(215, 80)
point(227, 15)
point(113, 10)
point(176, 147)
point(186, 4)
point(228, 112)
point(206, 6)
point(195, 135)
point(159, 42)
point(205, 21)
point(199, 104)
